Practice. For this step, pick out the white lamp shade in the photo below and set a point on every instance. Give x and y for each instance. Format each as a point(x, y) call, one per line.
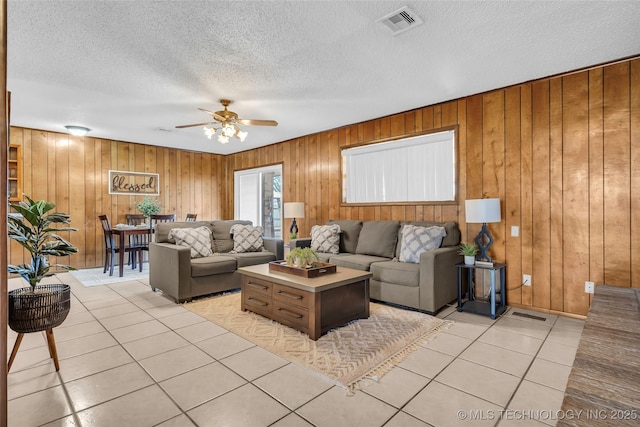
point(482, 210)
point(294, 210)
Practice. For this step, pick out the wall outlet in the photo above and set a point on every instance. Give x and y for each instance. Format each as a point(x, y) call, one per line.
point(589, 287)
point(515, 231)
point(526, 279)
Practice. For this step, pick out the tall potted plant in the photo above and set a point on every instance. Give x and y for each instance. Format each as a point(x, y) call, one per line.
point(38, 307)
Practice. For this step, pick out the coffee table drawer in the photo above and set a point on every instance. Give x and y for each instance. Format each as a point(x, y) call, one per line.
point(257, 302)
point(259, 286)
point(291, 315)
point(290, 295)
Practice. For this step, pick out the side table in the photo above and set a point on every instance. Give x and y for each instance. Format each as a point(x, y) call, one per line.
point(496, 297)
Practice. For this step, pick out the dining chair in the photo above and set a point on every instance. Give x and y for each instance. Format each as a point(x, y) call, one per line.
point(138, 240)
point(191, 217)
point(154, 219)
point(112, 247)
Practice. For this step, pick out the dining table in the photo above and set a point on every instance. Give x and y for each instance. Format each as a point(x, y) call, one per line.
point(128, 230)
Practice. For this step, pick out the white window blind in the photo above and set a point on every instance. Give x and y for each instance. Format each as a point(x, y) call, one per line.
point(420, 168)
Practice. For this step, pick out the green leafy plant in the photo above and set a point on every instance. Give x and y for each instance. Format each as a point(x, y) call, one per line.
point(149, 206)
point(468, 249)
point(30, 226)
point(302, 257)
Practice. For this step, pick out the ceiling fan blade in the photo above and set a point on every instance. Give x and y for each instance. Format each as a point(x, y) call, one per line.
point(196, 124)
point(257, 122)
point(214, 115)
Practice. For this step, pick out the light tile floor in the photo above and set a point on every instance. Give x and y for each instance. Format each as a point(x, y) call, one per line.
point(130, 357)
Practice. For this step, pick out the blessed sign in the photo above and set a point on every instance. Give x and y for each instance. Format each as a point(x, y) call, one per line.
point(134, 183)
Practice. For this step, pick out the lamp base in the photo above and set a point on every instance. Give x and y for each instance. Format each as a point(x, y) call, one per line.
point(293, 230)
point(484, 242)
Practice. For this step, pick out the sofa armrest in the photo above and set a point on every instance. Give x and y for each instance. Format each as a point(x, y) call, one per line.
point(438, 277)
point(300, 243)
point(275, 246)
point(170, 269)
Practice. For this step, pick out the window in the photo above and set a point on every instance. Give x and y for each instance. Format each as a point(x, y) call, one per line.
point(416, 169)
point(258, 198)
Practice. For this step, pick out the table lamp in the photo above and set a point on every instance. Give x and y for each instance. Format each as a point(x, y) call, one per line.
point(483, 211)
point(294, 210)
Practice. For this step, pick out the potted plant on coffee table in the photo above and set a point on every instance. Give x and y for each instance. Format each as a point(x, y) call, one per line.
point(469, 250)
point(302, 257)
point(38, 307)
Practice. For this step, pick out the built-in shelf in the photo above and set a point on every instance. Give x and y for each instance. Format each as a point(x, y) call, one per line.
point(14, 169)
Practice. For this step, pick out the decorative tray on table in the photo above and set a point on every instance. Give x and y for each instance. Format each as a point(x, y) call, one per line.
point(319, 269)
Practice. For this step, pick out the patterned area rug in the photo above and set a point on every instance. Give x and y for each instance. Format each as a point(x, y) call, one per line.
point(95, 277)
point(358, 352)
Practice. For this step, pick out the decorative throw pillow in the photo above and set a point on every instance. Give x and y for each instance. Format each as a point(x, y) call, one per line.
point(325, 238)
point(415, 240)
point(197, 239)
point(247, 238)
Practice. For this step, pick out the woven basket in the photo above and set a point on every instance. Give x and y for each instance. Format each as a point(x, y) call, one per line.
point(39, 311)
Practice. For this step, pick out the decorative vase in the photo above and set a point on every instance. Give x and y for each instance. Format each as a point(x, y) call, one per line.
point(469, 260)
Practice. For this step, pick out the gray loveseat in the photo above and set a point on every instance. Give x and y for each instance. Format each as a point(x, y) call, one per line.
point(374, 246)
point(176, 274)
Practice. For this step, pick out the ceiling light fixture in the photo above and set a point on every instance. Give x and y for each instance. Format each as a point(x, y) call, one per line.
point(227, 131)
point(77, 130)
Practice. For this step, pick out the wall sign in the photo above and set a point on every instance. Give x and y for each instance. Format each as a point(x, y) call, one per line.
point(134, 183)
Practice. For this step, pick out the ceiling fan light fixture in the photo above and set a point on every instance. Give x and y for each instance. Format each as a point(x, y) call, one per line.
point(223, 139)
point(77, 130)
point(228, 130)
point(209, 132)
point(242, 135)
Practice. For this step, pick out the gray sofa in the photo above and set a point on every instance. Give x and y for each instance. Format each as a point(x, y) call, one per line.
point(375, 246)
point(176, 274)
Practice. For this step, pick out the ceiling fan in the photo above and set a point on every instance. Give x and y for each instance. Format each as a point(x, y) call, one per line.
point(228, 121)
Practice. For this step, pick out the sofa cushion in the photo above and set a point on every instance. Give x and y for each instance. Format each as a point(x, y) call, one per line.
point(414, 240)
point(325, 238)
point(222, 238)
point(378, 238)
point(216, 264)
point(247, 238)
point(357, 262)
point(349, 232)
point(163, 228)
point(197, 239)
point(399, 273)
point(451, 228)
point(253, 258)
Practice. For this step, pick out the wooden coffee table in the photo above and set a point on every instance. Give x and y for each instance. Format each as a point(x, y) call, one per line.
point(312, 306)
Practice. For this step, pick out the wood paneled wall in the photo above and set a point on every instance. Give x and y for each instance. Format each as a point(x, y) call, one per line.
point(562, 154)
point(72, 172)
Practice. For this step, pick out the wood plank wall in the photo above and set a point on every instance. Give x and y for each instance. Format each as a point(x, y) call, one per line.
point(562, 154)
point(72, 172)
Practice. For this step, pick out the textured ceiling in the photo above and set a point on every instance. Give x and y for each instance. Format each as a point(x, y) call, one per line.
point(129, 69)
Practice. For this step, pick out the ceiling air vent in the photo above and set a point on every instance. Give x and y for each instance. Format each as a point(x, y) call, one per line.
point(400, 21)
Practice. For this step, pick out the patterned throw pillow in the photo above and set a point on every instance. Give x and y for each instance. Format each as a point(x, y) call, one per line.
point(246, 238)
point(415, 240)
point(198, 239)
point(325, 238)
